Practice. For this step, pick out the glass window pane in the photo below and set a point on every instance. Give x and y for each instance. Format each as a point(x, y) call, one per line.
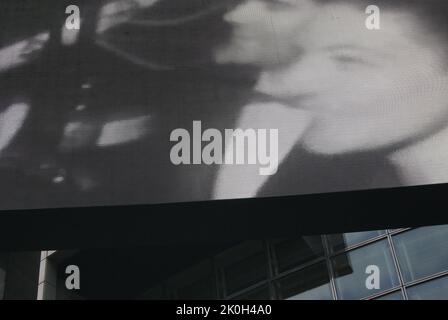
point(392, 296)
point(261, 293)
point(245, 273)
point(422, 252)
point(432, 290)
point(350, 270)
point(292, 253)
point(244, 266)
point(196, 282)
point(2, 275)
point(397, 230)
point(2, 282)
point(342, 241)
point(201, 289)
point(311, 283)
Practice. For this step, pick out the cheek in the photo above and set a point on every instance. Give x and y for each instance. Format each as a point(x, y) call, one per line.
point(378, 117)
point(380, 92)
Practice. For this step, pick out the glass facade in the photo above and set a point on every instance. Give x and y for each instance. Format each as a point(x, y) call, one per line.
point(410, 264)
point(399, 264)
point(3, 265)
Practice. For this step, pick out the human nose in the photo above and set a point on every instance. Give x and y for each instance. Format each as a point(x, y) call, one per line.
point(248, 11)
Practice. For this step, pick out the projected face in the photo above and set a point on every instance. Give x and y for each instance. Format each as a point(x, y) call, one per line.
point(363, 89)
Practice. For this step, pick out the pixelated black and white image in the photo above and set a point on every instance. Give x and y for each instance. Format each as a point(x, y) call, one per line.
point(356, 93)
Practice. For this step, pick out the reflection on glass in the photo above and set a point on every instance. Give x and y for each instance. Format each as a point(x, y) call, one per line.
point(201, 289)
point(340, 242)
point(244, 266)
point(392, 296)
point(2, 282)
point(311, 283)
point(432, 290)
point(155, 293)
point(350, 270)
point(422, 252)
point(2, 274)
point(246, 272)
point(292, 253)
point(261, 293)
point(196, 282)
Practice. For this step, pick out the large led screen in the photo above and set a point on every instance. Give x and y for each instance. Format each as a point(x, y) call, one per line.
point(118, 102)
